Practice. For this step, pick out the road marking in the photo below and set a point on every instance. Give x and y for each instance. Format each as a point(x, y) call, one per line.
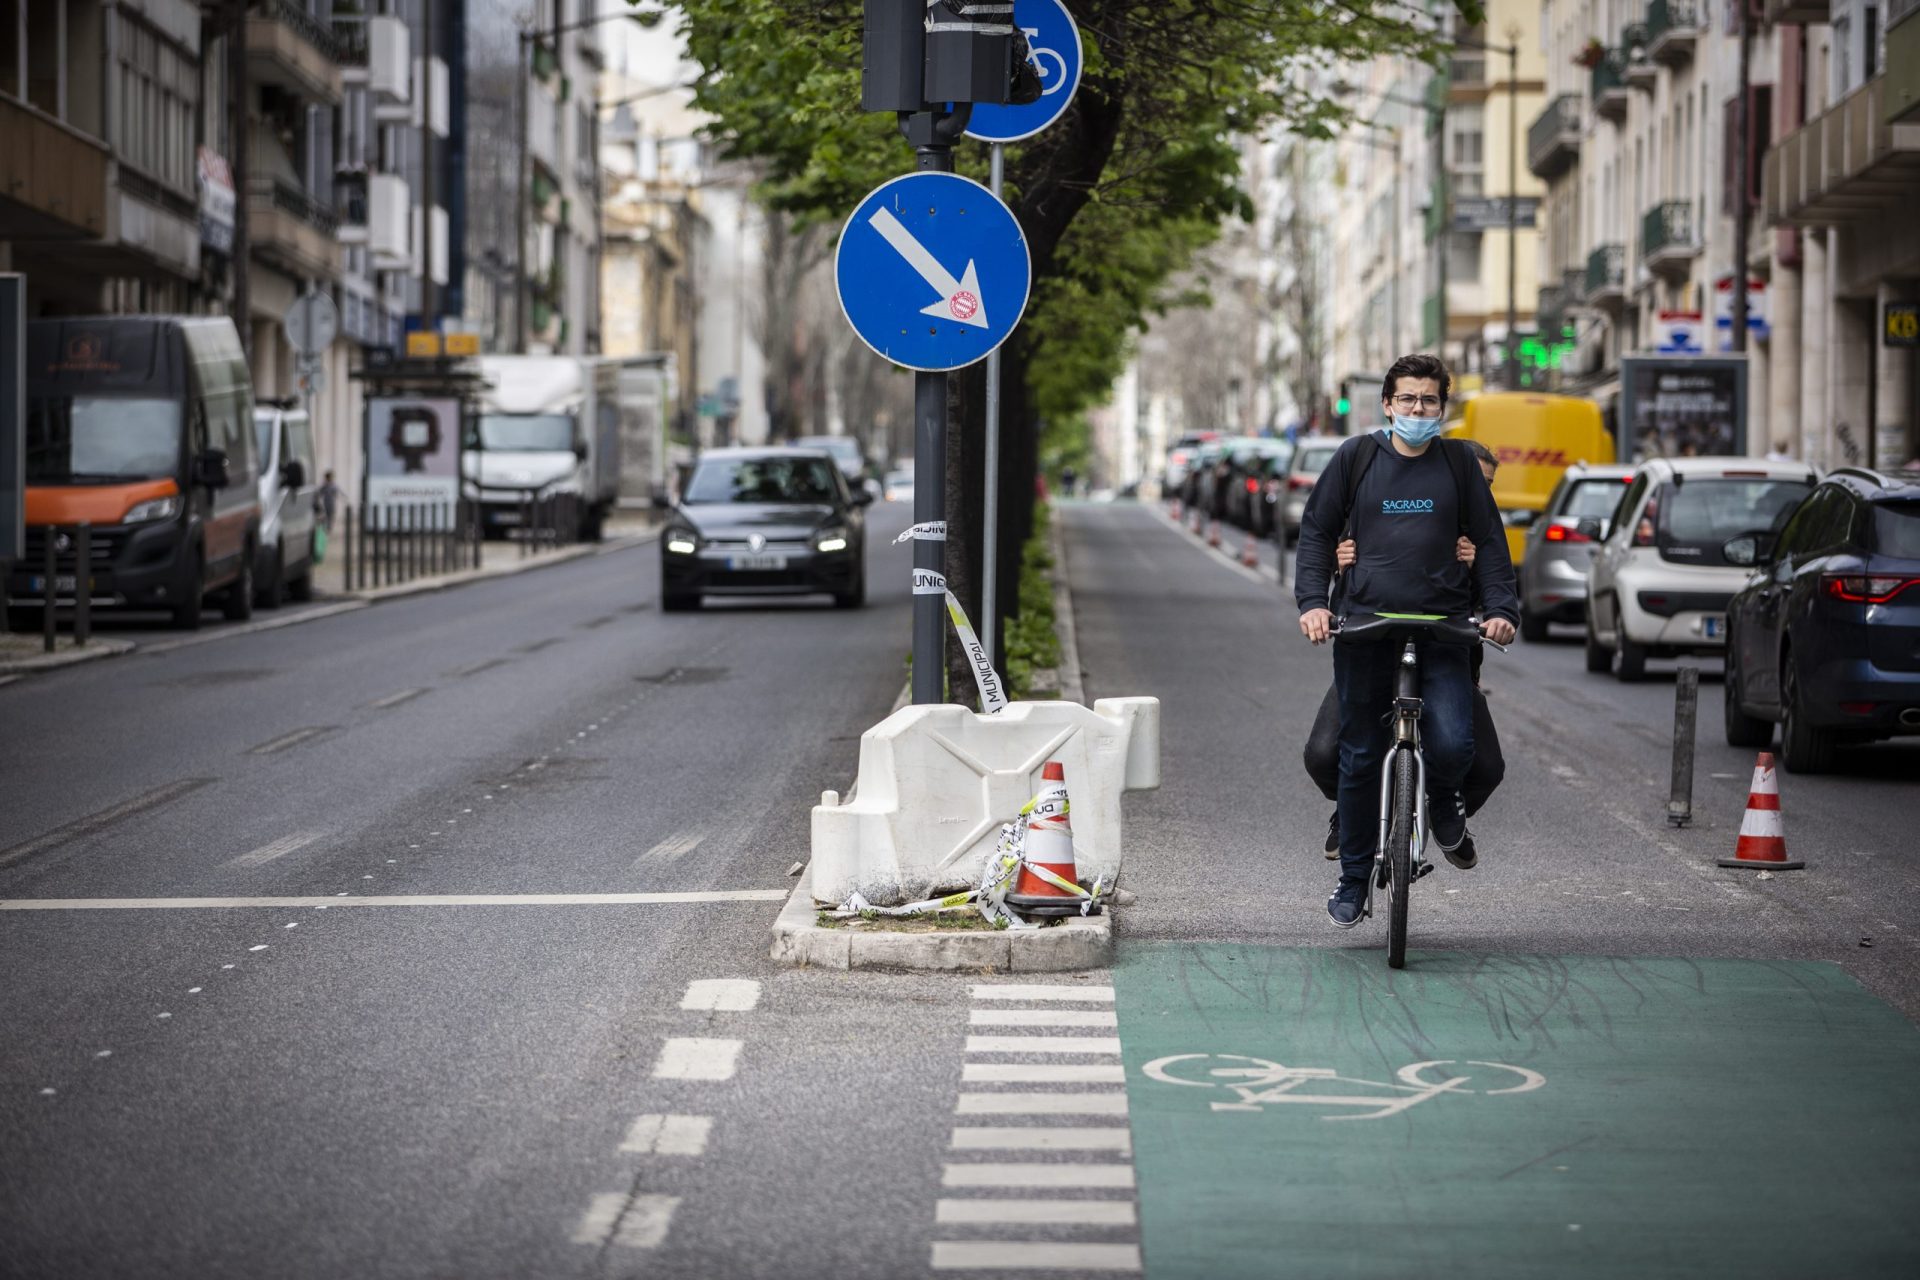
point(727, 995)
point(1015, 991)
point(1042, 1073)
point(535, 646)
point(278, 849)
point(1040, 1104)
point(1043, 1044)
point(475, 668)
point(1037, 1175)
point(395, 699)
point(696, 1058)
point(293, 739)
point(1042, 1018)
point(1028, 1255)
point(1065, 1213)
point(94, 822)
point(1107, 1138)
point(637, 1223)
point(668, 1135)
point(670, 850)
point(396, 900)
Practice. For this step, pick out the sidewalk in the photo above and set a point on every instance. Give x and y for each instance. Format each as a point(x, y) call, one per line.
point(497, 559)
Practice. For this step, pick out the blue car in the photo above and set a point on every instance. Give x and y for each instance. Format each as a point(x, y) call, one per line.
point(1825, 638)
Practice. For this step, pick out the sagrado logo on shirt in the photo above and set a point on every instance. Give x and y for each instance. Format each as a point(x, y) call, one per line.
point(1406, 506)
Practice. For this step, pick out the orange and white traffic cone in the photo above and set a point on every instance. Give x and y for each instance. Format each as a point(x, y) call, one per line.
point(1049, 845)
point(1213, 533)
point(1176, 510)
point(1250, 553)
point(1763, 837)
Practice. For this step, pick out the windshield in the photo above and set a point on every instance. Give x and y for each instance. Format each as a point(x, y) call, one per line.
point(1592, 500)
point(101, 439)
point(1313, 461)
point(1896, 529)
point(1701, 514)
point(527, 432)
point(763, 480)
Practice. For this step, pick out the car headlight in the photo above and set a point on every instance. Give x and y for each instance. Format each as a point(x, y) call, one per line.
point(830, 540)
point(682, 543)
point(153, 509)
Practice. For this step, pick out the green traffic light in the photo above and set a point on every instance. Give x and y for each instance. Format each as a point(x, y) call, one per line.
point(1343, 406)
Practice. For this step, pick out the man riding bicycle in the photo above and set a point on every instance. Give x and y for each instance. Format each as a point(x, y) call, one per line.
point(1409, 508)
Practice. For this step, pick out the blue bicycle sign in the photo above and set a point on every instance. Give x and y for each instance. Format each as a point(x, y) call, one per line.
point(1053, 47)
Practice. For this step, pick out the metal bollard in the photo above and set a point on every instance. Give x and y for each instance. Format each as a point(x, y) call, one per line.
point(413, 542)
point(526, 523)
point(346, 548)
point(46, 616)
point(1686, 709)
point(82, 584)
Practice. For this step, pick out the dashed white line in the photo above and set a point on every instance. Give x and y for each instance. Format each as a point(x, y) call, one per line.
point(697, 1059)
point(1040, 991)
point(277, 849)
point(1065, 1213)
point(1037, 1175)
point(293, 739)
point(1044, 1044)
point(1025, 1255)
point(1043, 1073)
point(670, 850)
point(1042, 1018)
point(728, 995)
point(660, 1135)
point(639, 1224)
point(1024, 1104)
point(395, 699)
point(1105, 1138)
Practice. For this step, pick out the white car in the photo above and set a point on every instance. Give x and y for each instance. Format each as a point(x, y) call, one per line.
point(1658, 586)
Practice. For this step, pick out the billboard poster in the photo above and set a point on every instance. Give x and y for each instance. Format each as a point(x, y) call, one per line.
point(413, 451)
point(1680, 408)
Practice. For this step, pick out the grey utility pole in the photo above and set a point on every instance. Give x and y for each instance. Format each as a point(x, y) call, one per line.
point(1742, 184)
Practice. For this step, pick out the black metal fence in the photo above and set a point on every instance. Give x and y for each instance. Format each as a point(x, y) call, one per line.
point(384, 545)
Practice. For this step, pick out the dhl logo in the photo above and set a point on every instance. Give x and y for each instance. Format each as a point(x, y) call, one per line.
point(1511, 455)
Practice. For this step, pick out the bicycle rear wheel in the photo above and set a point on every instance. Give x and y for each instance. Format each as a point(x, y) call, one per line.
point(1400, 858)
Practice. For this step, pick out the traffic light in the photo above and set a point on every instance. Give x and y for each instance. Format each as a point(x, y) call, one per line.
point(1342, 407)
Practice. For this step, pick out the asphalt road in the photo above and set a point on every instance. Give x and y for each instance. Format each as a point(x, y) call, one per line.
point(1575, 852)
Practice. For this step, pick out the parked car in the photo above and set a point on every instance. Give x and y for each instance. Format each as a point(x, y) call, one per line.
point(284, 568)
point(1825, 637)
point(141, 426)
point(1248, 461)
point(765, 522)
point(1659, 585)
point(1310, 457)
point(1196, 491)
point(898, 486)
point(845, 451)
point(1561, 543)
point(1535, 437)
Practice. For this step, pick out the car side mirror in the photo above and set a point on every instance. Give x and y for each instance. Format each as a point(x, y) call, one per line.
point(212, 469)
point(1594, 527)
point(863, 497)
point(580, 450)
point(296, 474)
point(1522, 519)
point(1749, 550)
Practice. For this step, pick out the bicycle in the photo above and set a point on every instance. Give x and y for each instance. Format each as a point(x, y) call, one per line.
point(1057, 80)
point(1397, 859)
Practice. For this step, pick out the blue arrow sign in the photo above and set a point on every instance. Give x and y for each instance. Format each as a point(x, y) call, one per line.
point(1053, 43)
point(932, 271)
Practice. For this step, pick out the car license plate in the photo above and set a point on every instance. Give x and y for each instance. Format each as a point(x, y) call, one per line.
point(756, 562)
point(1714, 626)
point(62, 583)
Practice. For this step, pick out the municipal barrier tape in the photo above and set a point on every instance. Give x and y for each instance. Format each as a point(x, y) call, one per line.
point(993, 691)
point(930, 531)
point(928, 583)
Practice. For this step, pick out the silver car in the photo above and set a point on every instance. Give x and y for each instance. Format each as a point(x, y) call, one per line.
point(1310, 458)
point(1560, 545)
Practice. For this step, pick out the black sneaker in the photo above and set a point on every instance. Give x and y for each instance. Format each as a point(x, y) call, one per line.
point(1448, 819)
point(1465, 857)
point(1333, 837)
point(1347, 907)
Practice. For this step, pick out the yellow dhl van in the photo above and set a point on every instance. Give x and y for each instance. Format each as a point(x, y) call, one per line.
point(1536, 438)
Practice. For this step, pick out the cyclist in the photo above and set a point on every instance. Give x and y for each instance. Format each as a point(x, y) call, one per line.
point(1405, 520)
point(1322, 753)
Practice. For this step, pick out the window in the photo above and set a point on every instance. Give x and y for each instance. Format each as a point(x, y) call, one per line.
point(159, 105)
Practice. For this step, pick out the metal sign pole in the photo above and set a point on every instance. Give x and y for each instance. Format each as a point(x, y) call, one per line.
point(934, 154)
point(990, 535)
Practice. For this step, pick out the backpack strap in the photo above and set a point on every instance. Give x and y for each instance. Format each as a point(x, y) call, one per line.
point(1460, 460)
point(1356, 472)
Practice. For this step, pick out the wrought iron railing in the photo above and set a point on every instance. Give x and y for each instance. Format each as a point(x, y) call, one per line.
point(295, 16)
point(1606, 270)
point(1668, 225)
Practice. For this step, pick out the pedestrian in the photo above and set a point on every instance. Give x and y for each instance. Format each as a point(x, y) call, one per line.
point(326, 501)
point(1408, 498)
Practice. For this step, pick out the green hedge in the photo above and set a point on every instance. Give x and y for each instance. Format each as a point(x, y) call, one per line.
point(1032, 642)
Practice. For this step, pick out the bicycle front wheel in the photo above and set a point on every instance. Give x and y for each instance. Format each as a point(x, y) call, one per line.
point(1400, 858)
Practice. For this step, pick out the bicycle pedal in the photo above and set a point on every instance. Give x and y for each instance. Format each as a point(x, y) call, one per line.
point(1425, 868)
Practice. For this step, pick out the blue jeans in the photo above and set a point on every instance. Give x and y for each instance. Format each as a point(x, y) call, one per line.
point(1363, 680)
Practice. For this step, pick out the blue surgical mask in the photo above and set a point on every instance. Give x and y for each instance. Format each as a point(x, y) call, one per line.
point(1416, 431)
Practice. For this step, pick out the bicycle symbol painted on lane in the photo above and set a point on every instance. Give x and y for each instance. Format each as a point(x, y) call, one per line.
point(1259, 1084)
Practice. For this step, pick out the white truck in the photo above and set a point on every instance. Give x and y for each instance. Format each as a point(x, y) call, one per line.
point(589, 426)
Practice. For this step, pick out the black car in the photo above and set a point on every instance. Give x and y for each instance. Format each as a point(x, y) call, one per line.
point(1825, 637)
point(760, 522)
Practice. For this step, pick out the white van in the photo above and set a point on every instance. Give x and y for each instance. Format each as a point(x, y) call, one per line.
point(288, 485)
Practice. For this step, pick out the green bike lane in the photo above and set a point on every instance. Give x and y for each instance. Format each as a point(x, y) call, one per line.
point(1309, 1112)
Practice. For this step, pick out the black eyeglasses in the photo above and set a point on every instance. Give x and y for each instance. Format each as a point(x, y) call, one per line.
point(1407, 404)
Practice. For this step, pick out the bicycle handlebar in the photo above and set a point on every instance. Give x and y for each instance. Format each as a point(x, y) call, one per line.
point(1442, 629)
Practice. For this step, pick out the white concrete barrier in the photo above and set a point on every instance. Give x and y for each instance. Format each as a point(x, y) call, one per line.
point(937, 782)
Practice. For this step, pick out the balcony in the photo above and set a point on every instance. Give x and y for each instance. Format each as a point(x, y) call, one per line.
point(1800, 11)
point(1553, 139)
point(390, 222)
point(1668, 243)
point(1608, 87)
point(377, 53)
point(1606, 277)
point(1672, 28)
point(290, 49)
point(1637, 69)
point(53, 179)
point(292, 230)
point(1848, 162)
